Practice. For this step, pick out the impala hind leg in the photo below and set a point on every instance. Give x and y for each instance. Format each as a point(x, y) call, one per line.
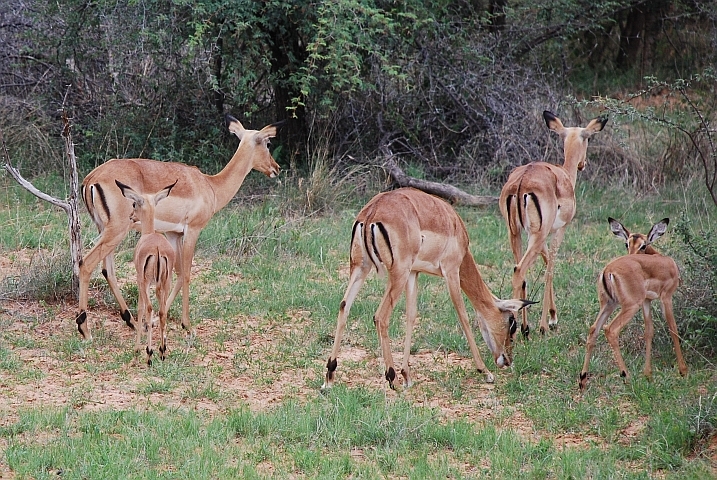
point(108, 271)
point(358, 275)
point(397, 280)
point(612, 333)
point(672, 327)
point(520, 271)
point(605, 311)
point(104, 247)
point(549, 315)
point(649, 335)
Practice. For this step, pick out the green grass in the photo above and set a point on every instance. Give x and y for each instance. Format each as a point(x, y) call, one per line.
point(270, 287)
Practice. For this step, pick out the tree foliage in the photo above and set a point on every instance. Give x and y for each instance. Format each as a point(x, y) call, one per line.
point(458, 86)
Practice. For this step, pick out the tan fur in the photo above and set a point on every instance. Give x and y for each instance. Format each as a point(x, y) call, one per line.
point(554, 188)
point(403, 233)
point(195, 199)
point(630, 282)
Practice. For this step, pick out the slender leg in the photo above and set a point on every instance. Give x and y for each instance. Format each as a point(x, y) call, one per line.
point(521, 270)
point(606, 310)
point(649, 335)
point(411, 312)
point(672, 326)
point(396, 284)
point(612, 332)
point(105, 246)
point(358, 275)
point(549, 309)
point(162, 294)
point(108, 271)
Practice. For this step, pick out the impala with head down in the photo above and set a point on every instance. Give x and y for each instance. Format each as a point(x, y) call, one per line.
point(194, 201)
point(539, 198)
point(401, 234)
point(154, 261)
point(630, 282)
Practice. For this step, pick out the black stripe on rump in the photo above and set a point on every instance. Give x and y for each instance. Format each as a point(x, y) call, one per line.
point(353, 235)
point(384, 234)
point(537, 205)
point(103, 199)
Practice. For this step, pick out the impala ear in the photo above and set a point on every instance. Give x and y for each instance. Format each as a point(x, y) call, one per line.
point(164, 193)
point(234, 126)
point(553, 122)
point(658, 230)
point(617, 229)
point(127, 192)
point(512, 305)
point(596, 125)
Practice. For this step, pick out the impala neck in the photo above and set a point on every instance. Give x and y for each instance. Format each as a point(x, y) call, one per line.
point(574, 157)
point(482, 300)
point(227, 182)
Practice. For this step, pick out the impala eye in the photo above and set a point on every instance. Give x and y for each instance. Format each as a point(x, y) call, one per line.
point(643, 246)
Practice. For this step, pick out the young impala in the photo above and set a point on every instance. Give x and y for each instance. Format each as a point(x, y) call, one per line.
point(630, 282)
point(154, 261)
point(539, 198)
point(195, 199)
point(639, 242)
point(403, 233)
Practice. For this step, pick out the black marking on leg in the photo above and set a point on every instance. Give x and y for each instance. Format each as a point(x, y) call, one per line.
point(623, 374)
point(583, 380)
point(552, 312)
point(104, 273)
point(515, 268)
point(162, 351)
point(542, 330)
point(150, 352)
point(127, 317)
point(331, 366)
point(525, 330)
point(342, 305)
point(82, 261)
point(524, 285)
point(391, 376)
point(81, 319)
point(374, 320)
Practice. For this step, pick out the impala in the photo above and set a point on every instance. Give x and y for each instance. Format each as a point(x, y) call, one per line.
point(639, 242)
point(154, 261)
point(195, 199)
point(539, 198)
point(631, 282)
point(402, 233)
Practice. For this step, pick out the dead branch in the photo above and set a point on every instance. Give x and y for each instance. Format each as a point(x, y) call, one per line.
point(453, 194)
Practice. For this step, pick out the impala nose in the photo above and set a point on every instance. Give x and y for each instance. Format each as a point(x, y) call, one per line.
point(503, 361)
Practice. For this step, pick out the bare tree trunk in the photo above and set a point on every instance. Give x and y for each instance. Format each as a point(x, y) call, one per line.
point(454, 195)
point(70, 206)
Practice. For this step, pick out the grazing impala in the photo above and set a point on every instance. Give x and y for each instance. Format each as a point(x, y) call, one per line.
point(154, 261)
point(195, 199)
point(639, 242)
point(630, 282)
point(539, 198)
point(405, 232)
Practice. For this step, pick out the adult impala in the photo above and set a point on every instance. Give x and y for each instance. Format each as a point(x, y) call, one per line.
point(154, 260)
point(403, 233)
point(195, 199)
point(539, 198)
point(630, 282)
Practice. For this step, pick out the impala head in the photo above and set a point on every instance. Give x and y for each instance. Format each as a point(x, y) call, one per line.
point(262, 161)
point(575, 139)
point(500, 339)
point(139, 200)
point(639, 242)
